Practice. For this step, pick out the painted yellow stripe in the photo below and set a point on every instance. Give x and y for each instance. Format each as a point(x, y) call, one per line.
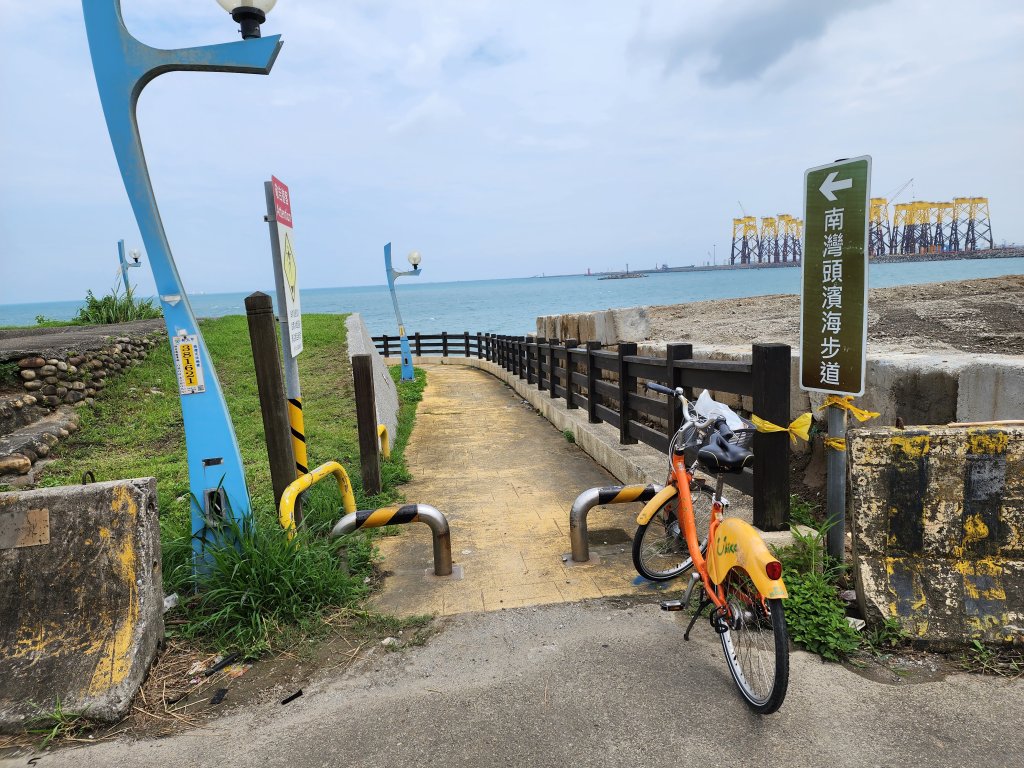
point(380, 517)
point(298, 427)
point(628, 493)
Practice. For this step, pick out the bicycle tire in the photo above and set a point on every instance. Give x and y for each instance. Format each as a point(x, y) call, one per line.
point(755, 644)
point(659, 548)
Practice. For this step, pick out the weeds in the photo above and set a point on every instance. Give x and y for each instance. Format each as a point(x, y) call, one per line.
point(58, 724)
point(112, 308)
point(1005, 662)
point(885, 636)
point(569, 436)
point(9, 374)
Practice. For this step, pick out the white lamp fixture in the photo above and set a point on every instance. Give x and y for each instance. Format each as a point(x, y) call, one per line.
point(415, 258)
point(249, 16)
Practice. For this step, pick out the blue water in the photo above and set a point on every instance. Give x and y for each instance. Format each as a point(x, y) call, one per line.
point(512, 306)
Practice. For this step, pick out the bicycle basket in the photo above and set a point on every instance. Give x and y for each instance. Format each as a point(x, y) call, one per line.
point(744, 437)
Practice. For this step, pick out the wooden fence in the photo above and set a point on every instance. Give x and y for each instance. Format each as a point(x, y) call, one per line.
point(605, 383)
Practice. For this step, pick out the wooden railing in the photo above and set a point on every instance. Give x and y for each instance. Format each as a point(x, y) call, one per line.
point(605, 383)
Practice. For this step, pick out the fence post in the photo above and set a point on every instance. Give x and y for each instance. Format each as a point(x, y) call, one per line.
point(259, 310)
point(674, 377)
point(521, 350)
point(419, 349)
point(465, 336)
point(541, 341)
point(770, 369)
point(529, 359)
point(517, 351)
point(570, 368)
point(627, 385)
point(366, 422)
point(479, 346)
point(386, 348)
point(592, 379)
point(444, 343)
point(553, 370)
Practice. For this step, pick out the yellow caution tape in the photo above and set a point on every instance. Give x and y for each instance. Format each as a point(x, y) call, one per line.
point(846, 403)
point(836, 443)
point(799, 427)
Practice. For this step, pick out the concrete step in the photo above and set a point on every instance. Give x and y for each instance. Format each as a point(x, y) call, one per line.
point(30, 442)
point(17, 410)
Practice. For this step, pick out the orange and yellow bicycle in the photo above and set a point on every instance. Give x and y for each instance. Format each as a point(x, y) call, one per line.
point(741, 579)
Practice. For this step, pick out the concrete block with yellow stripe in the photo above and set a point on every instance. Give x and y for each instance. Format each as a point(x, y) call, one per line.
point(81, 598)
point(938, 530)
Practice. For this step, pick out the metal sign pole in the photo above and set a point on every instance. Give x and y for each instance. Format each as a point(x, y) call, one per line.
point(289, 313)
point(834, 309)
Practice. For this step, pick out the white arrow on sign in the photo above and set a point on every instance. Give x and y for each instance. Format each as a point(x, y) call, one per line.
point(830, 185)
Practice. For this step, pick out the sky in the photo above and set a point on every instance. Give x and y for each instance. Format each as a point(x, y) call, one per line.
point(499, 139)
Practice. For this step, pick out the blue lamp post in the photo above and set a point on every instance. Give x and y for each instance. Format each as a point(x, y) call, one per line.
point(394, 274)
point(123, 67)
point(126, 265)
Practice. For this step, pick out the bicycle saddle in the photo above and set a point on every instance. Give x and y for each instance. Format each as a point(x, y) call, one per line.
point(719, 455)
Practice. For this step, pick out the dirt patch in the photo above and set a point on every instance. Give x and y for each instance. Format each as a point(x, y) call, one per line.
point(980, 316)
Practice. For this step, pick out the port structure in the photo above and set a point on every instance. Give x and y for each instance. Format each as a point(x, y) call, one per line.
point(915, 227)
point(778, 240)
point(928, 227)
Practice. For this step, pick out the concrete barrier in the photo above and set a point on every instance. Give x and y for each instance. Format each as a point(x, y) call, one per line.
point(361, 343)
point(81, 598)
point(938, 530)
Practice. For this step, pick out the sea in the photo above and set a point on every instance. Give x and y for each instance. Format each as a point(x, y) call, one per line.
point(511, 306)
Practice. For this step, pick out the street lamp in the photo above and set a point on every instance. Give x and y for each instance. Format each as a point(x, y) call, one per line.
point(124, 66)
point(126, 265)
point(249, 16)
point(414, 258)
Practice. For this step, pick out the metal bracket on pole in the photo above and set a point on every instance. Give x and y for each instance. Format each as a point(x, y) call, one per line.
point(614, 494)
point(124, 66)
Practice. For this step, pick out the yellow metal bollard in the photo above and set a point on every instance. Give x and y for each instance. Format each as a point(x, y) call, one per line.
point(305, 482)
point(298, 435)
point(385, 444)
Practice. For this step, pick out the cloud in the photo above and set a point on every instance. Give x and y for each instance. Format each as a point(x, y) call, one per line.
point(743, 46)
point(434, 109)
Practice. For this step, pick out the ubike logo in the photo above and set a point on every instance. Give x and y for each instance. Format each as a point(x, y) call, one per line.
point(725, 547)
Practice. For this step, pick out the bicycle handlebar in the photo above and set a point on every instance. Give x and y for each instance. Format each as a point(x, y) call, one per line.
point(660, 388)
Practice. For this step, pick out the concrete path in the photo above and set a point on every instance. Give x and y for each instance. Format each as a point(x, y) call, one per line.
point(506, 479)
point(590, 685)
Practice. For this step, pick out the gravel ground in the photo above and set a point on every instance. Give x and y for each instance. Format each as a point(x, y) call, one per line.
point(985, 316)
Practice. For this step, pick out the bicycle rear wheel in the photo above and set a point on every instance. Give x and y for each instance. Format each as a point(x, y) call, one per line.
point(755, 644)
point(659, 548)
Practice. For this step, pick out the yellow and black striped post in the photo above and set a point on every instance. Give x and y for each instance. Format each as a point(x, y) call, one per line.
point(407, 513)
point(614, 494)
point(298, 428)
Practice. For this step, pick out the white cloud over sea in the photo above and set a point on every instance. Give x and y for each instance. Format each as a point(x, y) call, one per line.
point(500, 139)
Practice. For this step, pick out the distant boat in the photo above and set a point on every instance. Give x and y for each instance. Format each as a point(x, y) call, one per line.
point(623, 275)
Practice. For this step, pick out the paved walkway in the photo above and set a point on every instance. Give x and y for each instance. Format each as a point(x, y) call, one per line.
point(506, 479)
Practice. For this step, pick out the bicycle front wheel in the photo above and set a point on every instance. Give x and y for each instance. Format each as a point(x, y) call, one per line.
point(755, 643)
point(659, 547)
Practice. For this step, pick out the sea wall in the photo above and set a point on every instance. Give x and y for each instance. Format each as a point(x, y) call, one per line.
point(917, 387)
point(384, 390)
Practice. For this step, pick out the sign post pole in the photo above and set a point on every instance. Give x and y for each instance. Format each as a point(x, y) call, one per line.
point(834, 308)
point(279, 217)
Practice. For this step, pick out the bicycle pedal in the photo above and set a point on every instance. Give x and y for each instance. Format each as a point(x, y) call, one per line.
point(673, 605)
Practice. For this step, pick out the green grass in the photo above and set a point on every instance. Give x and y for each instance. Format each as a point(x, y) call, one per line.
point(268, 585)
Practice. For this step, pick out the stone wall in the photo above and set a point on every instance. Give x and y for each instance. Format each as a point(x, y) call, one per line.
point(75, 377)
point(361, 343)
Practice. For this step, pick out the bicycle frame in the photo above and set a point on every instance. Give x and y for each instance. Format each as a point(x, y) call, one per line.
point(731, 542)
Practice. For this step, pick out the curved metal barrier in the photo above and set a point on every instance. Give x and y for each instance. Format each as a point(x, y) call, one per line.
point(407, 513)
point(385, 444)
point(286, 510)
point(614, 494)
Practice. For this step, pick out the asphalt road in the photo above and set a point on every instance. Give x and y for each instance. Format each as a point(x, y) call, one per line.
point(591, 684)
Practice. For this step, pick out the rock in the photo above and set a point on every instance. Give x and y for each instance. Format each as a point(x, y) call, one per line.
point(48, 370)
point(48, 389)
point(61, 391)
point(15, 462)
point(33, 385)
point(61, 365)
point(51, 400)
point(79, 385)
point(74, 361)
point(28, 374)
point(87, 401)
point(31, 362)
point(28, 400)
point(51, 380)
point(73, 396)
point(72, 369)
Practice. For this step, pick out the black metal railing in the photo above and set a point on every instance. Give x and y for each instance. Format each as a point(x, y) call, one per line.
point(606, 384)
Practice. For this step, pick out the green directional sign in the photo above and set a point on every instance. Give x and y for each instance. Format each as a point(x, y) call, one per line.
point(834, 294)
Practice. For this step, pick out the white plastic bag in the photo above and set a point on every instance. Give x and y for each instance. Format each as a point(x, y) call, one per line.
point(707, 407)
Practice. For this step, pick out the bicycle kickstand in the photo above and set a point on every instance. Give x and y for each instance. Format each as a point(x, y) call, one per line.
point(705, 601)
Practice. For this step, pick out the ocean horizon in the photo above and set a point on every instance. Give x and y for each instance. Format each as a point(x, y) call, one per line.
point(511, 305)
